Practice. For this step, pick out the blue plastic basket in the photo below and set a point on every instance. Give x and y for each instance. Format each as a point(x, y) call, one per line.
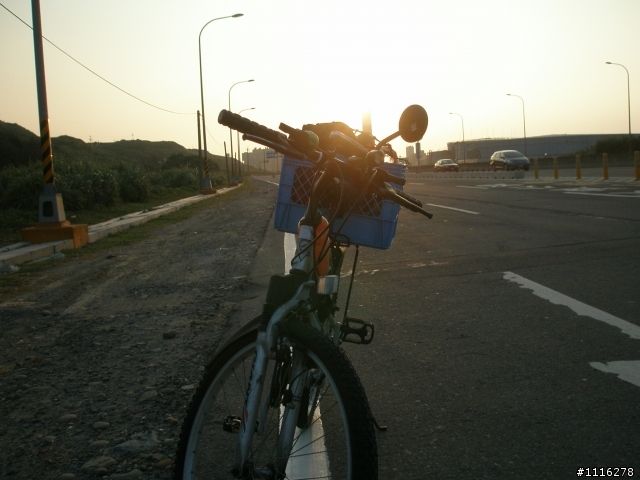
point(372, 223)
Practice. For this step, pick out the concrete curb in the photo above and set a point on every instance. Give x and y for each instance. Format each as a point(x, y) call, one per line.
point(25, 252)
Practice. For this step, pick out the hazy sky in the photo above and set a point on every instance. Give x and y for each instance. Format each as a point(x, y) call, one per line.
point(317, 61)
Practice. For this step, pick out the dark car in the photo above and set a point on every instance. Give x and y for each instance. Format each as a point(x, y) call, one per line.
point(508, 160)
point(446, 165)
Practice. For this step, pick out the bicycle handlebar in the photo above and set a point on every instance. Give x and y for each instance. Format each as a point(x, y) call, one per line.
point(275, 140)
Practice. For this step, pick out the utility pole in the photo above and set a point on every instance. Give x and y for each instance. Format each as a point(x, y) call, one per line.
point(52, 222)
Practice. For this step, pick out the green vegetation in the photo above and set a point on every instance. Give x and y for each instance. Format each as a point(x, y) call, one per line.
point(617, 145)
point(96, 180)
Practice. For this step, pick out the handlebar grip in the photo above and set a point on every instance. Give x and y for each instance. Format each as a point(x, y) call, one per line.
point(244, 125)
point(408, 197)
point(394, 195)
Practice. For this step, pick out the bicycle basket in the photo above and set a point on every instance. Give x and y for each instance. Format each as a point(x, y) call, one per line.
point(372, 223)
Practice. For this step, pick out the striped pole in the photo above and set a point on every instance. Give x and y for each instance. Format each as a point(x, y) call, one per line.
point(45, 151)
point(51, 207)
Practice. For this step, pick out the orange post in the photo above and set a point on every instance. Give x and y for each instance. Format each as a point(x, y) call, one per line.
point(605, 166)
point(578, 174)
point(535, 167)
point(555, 167)
point(637, 159)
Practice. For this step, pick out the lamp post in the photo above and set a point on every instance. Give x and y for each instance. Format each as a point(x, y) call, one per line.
point(238, 140)
point(628, 97)
point(204, 127)
point(231, 131)
point(464, 148)
point(524, 123)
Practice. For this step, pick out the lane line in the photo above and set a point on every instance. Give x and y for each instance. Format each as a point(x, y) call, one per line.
point(451, 208)
point(289, 250)
point(578, 307)
point(631, 195)
point(628, 370)
point(268, 181)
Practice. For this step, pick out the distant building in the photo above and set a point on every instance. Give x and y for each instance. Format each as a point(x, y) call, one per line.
point(261, 158)
point(550, 145)
point(426, 158)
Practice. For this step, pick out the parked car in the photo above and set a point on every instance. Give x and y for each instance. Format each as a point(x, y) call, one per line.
point(508, 160)
point(446, 165)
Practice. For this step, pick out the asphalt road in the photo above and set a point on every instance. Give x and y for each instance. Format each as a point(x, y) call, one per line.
point(479, 373)
point(477, 377)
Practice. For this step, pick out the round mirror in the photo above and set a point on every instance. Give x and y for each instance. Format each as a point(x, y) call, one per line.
point(413, 123)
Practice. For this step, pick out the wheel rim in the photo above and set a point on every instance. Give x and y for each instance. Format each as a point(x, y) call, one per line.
point(320, 451)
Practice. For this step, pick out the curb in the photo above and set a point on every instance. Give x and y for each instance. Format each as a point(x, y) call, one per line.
point(25, 252)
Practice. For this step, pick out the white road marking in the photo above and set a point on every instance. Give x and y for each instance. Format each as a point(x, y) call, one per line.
point(451, 208)
point(289, 250)
point(626, 370)
point(578, 307)
point(631, 195)
point(311, 458)
point(268, 181)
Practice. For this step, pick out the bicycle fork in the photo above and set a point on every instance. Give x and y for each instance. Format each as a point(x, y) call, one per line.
point(265, 348)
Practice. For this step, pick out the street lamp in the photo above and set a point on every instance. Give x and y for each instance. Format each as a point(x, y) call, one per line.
point(464, 149)
point(204, 127)
point(628, 97)
point(524, 123)
point(238, 139)
point(230, 131)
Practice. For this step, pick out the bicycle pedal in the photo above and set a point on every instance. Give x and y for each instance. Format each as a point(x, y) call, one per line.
point(354, 330)
point(232, 424)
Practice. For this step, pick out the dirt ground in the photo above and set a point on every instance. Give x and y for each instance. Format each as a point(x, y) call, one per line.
point(97, 365)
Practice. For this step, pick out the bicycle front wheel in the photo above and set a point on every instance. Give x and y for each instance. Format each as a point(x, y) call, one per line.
point(337, 441)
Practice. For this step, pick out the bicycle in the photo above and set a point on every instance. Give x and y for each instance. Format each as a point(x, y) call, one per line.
point(281, 399)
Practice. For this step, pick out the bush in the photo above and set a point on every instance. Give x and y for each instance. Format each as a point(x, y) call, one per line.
point(617, 144)
point(132, 183)
point(175, 178)
point(20, 187)
point(84, 185)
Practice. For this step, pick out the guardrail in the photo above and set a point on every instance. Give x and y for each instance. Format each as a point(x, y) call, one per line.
point(578, 165)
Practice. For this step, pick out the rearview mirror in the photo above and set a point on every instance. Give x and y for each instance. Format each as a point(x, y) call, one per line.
point(413, 123)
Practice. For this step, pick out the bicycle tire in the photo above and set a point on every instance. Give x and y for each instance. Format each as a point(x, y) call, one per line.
point(345, 425)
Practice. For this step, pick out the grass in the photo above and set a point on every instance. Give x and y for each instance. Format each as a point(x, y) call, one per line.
point(26, 279)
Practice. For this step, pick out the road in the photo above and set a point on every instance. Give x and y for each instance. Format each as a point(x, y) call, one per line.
point(507, 331)
point(477, 377)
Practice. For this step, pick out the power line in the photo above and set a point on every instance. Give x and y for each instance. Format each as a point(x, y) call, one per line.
point(100, 77)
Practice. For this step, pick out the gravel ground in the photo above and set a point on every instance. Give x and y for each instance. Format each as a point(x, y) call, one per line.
point(98, 365)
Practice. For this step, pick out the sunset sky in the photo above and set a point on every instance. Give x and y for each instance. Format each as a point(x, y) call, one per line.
point(318, 61)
